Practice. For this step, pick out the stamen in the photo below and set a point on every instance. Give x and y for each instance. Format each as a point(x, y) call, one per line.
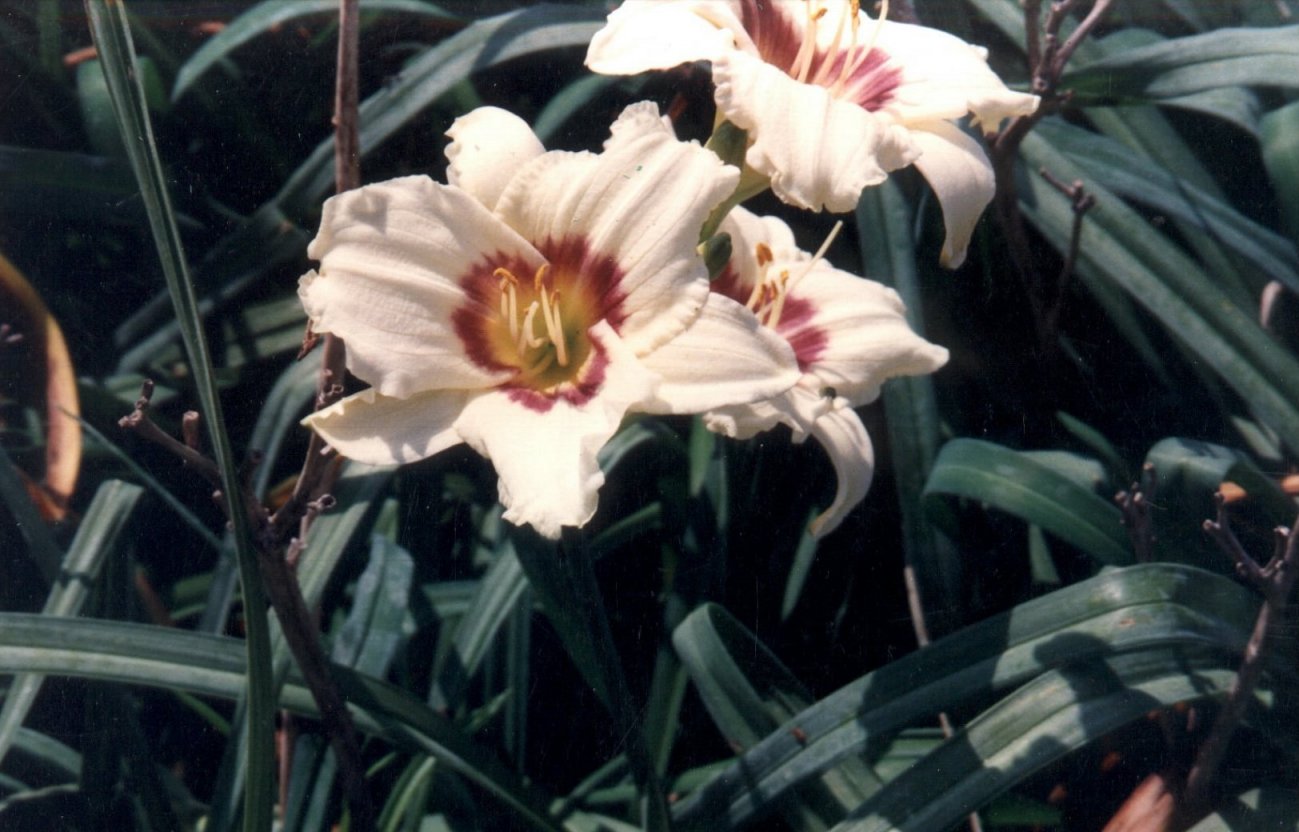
point(807, 50)
point(823, 72)
point(863, 54)
point(527, 338)
point(820, 253)
point(762, 252)
point(540, 277)
point(850, 55)
point(557, 337)
point(509, 299)
point(781, 291)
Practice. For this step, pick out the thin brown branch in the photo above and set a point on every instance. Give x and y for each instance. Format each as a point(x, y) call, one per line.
point(1033, 32)
point(1081, 201)
point(138, 422)
point(1134, 505)
point(1047, 59)
point(318, 473)
point(1276, 582)
point(347, 143)
point(1065, 52)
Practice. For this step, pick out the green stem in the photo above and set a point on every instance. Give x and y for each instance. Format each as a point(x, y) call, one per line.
point(731, 143)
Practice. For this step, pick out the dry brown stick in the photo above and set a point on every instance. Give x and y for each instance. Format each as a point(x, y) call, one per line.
point(1081, 201)
point(347, 143)
point(317, 475)
point(286, 599)
point(1047, 59)
point(1276, 582)
point(1134, 503)
point(138, 421)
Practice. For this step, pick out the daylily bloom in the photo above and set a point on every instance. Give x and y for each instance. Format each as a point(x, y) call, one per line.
point(850, 335)
point(832, 99)
point(530, 304)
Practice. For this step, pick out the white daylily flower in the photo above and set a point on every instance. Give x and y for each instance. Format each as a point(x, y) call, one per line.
point(849, 334)
point(530, 304)
point(832, 99)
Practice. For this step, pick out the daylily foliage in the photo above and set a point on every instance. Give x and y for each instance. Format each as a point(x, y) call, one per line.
point(832, 99)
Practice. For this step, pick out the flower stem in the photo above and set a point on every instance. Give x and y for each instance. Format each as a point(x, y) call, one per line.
point(730, 144)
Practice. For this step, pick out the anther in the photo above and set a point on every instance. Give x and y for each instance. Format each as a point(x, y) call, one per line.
point(762, 253)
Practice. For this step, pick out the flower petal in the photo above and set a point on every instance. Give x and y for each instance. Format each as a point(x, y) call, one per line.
point(641, 35)
point(798, 408)
point(819, 151)
point(961, 175)
point(488, 146)
point(641, 202)
point(389, 256)
point(844, 438)
point(943, 77)
point(856, 332)
point(380, 430)
point(546, 459)
point(725, 358)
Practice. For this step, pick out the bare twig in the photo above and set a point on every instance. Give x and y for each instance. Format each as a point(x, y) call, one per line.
point(1134, 503)
point(138, 421)
point(347, 144)
point(309, 496)
point(189, 428)
point(1275, 581)
point(1047, 58)
point(1081, 202)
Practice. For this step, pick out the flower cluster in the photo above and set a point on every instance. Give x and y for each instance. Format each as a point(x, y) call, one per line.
point(530, 304)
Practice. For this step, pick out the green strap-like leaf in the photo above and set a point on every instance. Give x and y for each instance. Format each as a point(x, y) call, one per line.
point(1118, 248)
point(112, 36)
point(1020, 485)
point(1280, 140)
point(271, 14)
point(884, 234)
point(1119, 610)
point(215, 666)
point(1184, 66)
point(98, 538)
point(1142, 180)
point(1060, 712)
point(480, 45)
